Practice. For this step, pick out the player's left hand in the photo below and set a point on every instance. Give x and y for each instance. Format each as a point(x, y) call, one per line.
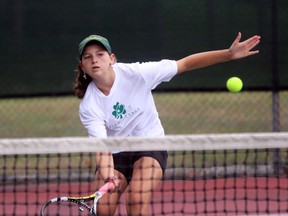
point(243, 49)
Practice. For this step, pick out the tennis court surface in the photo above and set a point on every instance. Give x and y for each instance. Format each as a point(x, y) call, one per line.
point(224, 174)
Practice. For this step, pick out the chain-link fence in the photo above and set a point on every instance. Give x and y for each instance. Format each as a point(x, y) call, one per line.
point(38, 55)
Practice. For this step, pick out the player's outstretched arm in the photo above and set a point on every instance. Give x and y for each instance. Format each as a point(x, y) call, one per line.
point(236, 51)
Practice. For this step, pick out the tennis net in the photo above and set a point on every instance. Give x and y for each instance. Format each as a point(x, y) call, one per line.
point(209, 174)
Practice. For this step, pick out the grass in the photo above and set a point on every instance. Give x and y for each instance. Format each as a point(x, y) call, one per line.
point(180, 113)
point(190, 113)
point(40, 117)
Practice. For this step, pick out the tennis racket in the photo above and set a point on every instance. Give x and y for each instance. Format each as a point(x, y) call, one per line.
point(86, 205)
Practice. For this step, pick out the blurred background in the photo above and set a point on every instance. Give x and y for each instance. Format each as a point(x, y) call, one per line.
point(39, 54)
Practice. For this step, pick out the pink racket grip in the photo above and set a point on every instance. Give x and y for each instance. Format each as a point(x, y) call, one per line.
point(105, 188)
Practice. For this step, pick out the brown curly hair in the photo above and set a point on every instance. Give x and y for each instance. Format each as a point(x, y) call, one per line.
point(81, 83)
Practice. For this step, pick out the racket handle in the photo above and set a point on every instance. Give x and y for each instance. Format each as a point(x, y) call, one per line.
point(106, 187)
point(103, 190)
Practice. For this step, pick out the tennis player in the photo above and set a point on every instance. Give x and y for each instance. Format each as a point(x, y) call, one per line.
point(116, 100)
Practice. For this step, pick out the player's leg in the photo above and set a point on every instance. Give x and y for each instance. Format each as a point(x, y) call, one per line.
point(107, 205)
point(147, 173)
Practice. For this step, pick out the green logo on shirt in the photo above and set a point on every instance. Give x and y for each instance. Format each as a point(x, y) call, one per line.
point(119, 110)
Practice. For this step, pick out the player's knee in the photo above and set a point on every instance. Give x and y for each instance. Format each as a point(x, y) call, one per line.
point(106, 210)
point(138, 201)
point(138, 208)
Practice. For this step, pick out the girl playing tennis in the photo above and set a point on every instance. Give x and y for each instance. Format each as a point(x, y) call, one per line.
point(116, 100)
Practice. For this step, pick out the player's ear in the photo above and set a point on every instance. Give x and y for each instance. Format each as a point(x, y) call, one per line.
point(81, 65)
point(113, 58)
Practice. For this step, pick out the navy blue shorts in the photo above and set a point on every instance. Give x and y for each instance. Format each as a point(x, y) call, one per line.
point(124, 161)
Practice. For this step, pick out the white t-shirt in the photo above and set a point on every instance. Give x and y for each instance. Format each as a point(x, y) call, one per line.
point(129, 109)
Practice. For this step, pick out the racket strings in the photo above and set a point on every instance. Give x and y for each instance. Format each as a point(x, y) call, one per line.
point(67, 209)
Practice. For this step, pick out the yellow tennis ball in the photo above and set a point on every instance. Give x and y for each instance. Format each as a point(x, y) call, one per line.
point(234, 84)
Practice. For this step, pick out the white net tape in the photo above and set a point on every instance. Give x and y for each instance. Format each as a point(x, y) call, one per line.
point(171, 143)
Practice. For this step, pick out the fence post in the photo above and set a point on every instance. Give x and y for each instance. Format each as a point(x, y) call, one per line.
point(275, 82)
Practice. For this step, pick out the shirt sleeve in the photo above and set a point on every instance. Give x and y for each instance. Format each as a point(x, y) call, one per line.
point(154, 73)
point(94, 124)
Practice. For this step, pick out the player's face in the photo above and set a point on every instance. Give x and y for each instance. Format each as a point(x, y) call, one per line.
point(96, 60)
